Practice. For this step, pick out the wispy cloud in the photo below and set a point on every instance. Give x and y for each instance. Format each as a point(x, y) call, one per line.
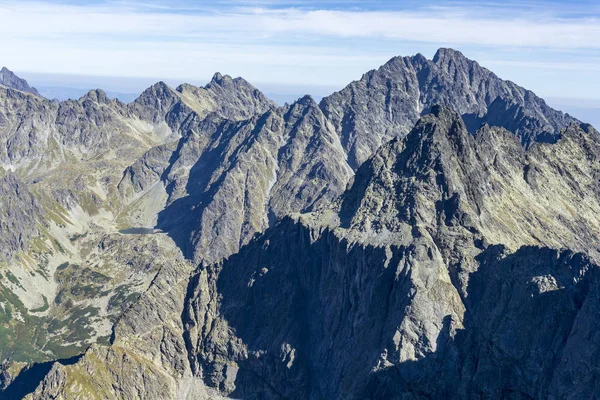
point(457, 24)
point(296, 41)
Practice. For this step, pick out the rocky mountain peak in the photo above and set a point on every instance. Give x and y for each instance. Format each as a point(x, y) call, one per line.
point(160, 88)
point(431, 222)
point(237, 98)
point(444, 54)
point(156, 95)
point(220, 79)
point(393, 97)
point(95, 95)
point(384, 188)
point(419, 57)
point(9, 79)
point(463, 71)
point(306, 101)
point(227, 83)
point(441, 124)
point(155, 102)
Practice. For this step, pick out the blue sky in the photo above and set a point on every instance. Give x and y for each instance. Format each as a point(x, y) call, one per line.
point(551, 47)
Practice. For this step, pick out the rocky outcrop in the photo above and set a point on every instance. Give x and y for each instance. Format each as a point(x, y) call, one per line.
point(391, 276)
point(387, 102)
point(9, 79)
point(71, 263)
point(528, 317)
point(20, 214)
point(233, 99)
point(227, 180)
point(25, 127)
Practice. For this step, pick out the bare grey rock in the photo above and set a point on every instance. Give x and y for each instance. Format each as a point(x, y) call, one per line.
point(9, 79)
point(387, 102)
point(25, 126)
point(20, 214)
point(380, 290)
point(227, 180)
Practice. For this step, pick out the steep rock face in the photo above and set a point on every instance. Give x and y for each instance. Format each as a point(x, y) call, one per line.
point(286, 160)
point(70, 263)
point(441, 177)
point(227, 180)
point(9, 79)
point(20, 213)
point(312, 168)
point(384, 280)
point(343, 304)
point(234, 99)
point(294, 145)
point(218, 185)
point(386, 103)
point(26, 126)
point(92, 140)
point(92, 125)
point(224, 97)
point(147, 170)
point(530, 329)
point(38, 133)
point(147, 358)
point(231, 98)
point(155, 102)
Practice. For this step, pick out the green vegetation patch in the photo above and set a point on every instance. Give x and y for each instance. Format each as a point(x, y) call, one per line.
point(13, 279)
point(67, 331)
point(17, 338)
point(122, 298)
point(79, 283)
point(43, 308)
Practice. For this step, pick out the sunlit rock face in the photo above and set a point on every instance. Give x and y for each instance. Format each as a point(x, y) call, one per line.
point(387, 102)
point(9, 79)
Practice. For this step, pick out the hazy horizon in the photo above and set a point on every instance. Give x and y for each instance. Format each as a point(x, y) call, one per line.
point(547, 46)
point(127, 89)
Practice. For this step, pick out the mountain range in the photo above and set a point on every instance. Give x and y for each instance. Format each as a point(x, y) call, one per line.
point(429, 231)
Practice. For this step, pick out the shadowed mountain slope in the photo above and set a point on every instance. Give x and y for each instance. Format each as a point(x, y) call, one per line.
point(403, 266)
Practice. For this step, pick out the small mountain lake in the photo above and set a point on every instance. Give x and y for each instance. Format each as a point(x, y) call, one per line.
point(139, 231)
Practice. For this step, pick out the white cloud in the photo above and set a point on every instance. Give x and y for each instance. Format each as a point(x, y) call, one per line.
point(279, 45)
point(456, 24)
